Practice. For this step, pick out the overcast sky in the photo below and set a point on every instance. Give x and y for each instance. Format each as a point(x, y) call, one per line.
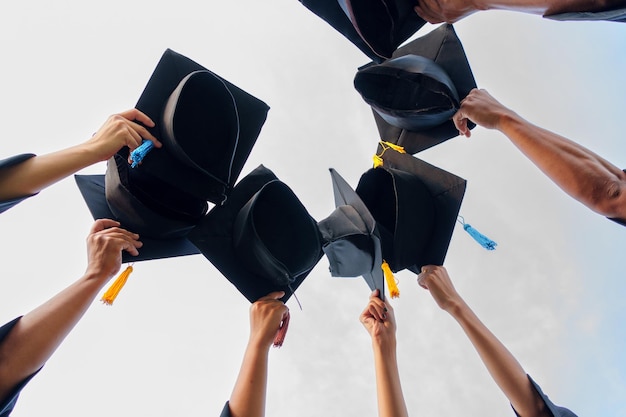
point(172, 343)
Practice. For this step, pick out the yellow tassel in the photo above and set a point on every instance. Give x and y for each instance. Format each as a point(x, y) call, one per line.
point(110, 295)
point(394, 292)
point(378, 160)
point(393, 146)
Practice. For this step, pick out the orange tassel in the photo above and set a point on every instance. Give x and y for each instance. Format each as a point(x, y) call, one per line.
point(394, 292)
point(110, 295)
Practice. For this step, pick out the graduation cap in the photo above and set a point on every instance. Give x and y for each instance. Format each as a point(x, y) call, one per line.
point(262, 239)
point(415, 94)
point(415, 205)
point(207, 125)
point(351, 240)
point(376, 27)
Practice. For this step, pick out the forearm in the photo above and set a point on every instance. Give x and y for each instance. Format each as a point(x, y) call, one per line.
point(388, 388)
point(548, 7)
point(579, 172)
point(500, 363)
point(40, 332)
point(37, 173)
point(248, 396)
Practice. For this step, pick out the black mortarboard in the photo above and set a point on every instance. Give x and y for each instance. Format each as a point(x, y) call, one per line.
point(207, 125)
point(376, 27)
point(262, 239)
point(415, 205)
point(415, 94)
point(351, 240)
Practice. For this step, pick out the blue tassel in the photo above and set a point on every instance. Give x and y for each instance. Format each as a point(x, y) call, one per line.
point(483, 240)
point(140, 152)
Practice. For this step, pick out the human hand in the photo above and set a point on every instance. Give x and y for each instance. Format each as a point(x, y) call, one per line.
point(105, 244)
point(379, 319)
point(122, 130)
point(481, 108)
point(437, 281)
point(269, 319)
point(450, 11)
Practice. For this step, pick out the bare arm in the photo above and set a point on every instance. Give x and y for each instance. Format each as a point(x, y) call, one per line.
point(248, 396)
point(37, 173)
point(579, 172)
point(39, 333)
point(379, 320)
point(501, 364)
point(450, 11)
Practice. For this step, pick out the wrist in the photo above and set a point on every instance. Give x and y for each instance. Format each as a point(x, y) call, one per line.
point(456, 308)
point(508, 120)
point(258, 344)
point(96, 275)
point(383, 344)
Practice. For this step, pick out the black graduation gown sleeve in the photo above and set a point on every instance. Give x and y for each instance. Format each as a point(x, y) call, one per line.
point(615, 15)
point(6, 163)
point(7, 403)
point(619, 221)
point(555, 410)
point(225, 411)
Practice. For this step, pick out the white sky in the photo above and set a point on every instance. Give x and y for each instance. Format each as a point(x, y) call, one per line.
point(172, 343)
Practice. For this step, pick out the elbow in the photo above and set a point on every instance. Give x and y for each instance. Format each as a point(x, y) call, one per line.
point(609, 198)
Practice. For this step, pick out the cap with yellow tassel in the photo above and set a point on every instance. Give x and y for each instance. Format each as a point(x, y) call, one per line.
point(111, 294)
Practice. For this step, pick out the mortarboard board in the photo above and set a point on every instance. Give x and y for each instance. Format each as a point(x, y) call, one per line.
point(415, 94)
point(262, 239)
point(351, 239)
point(415, 205)
point(376, 27)
point(207, 125)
